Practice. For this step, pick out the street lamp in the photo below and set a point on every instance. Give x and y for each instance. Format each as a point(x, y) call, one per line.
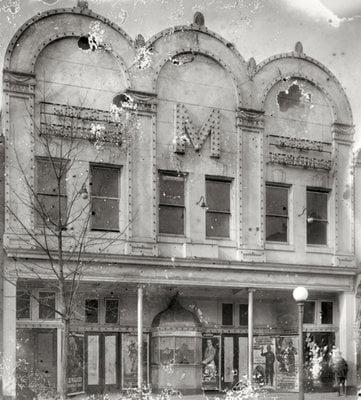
point(300, 294)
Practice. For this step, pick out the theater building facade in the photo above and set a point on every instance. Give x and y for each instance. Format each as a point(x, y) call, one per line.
point(234, 186)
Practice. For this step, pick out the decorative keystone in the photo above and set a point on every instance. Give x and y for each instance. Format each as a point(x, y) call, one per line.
point(298, 48)
point(83, 4)
point(198, 19)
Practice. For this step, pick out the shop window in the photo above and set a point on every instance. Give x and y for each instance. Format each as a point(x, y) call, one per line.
point(104, 182)
point(111, 311)
point(91, 310)
point(22, 304)
point(171, 203)
point(227, 314)
point(218, 207)
point(309, 312)
point(243, 314)
point(276, 213)
point(317, 216)
point(51, 184)
point(326, 312)
point(46, 305)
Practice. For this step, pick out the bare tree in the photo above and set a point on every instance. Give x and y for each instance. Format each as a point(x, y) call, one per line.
point(56, 195)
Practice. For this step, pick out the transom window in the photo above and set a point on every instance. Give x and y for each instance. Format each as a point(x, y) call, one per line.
point(104, 183)
point(171, 203)
point(46, 305)
point(91, 310)
point(317, 216)
point(23, 304)
point(276, 213)
point(111, 311)
point(218, 207)
point(51, 184)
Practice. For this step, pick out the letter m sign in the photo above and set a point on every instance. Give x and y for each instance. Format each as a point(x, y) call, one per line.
point(185, 131)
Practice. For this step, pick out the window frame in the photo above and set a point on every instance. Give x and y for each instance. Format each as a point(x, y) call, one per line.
point(48, 308)
point(98, 310)
point(223, 179)
point(18, 291)
point(239, 315)
point(92, 196)
point(233, 309)
point(286, 187)
point(106, 299)
point(327, 192)
point(182, 175)
point(38, 222)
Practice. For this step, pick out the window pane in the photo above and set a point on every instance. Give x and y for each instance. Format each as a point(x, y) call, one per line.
point(276, 229)
point(227, 314)
point(217, 195)
point(171, 220)
point(46, 305)
point(49, 212)
point(91, 310)
point(171, 190)
point(317, 205)
point(111, 311)
point(105, 214)
point(104, 181)
point(22, 305)
point(309, 312)
point(243, 314)
point(217, 224)
point(326, 312)
point(47, 172)
point(317, 232)
point(276, 200)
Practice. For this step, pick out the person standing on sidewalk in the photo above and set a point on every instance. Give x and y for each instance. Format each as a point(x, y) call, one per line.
point(340, 368)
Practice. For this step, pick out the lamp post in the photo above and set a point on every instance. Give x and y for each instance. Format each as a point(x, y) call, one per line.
point(300, 295)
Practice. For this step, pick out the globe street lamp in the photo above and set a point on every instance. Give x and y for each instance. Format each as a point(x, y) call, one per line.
point(300, 294)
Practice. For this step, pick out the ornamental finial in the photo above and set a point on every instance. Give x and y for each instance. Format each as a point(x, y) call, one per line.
point(198, 19)
point(298, 48)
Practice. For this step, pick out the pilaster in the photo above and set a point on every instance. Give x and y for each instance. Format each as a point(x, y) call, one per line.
point(251, 189)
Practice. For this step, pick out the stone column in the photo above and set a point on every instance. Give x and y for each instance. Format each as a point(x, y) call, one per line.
point(9, 339)
point(250, 335)
point(140, 336)
point(252, 188)
point(344, 194)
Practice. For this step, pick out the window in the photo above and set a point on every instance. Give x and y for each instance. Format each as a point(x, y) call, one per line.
point(218, 207)
point(326, 312)
point(46, 305)
point(276, 213)
point(111, 311)
point(104, 183)
point(91, 310)
point(243, 314)
point(171, 203)
point(22, 304)
point(317, 216)
point(309, 312)
point(51, 183)
point(227, 314)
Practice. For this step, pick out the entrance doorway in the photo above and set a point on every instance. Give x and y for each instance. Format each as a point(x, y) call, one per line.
point(234, 359)
point(102, 362)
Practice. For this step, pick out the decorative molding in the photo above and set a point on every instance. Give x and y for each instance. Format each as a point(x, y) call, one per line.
point(80, 122)
point(343, 133)
point(252, 255)
point(344, 261)
point(20, 83)
point(145, 102)
point(250, 118)
point(300, 144)
point(185, 131)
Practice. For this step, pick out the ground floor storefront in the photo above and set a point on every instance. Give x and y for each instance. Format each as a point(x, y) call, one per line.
point(193, 339)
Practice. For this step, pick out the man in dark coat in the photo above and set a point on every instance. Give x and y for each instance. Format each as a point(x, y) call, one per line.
point(269, 356)
point(340, 368)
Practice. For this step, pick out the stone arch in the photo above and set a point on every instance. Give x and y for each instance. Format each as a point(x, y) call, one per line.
point(28, 42)
point(195, 39)
point(293, 65)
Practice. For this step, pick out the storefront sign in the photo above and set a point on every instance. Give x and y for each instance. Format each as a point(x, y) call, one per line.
point(210, 363)
point(75, 373)
point(287, 363)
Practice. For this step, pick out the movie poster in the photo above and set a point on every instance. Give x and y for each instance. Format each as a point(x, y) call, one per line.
point(211, 363)
point(75, 373)
point(130, 360)
point(287, 363)
point(264, 359)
